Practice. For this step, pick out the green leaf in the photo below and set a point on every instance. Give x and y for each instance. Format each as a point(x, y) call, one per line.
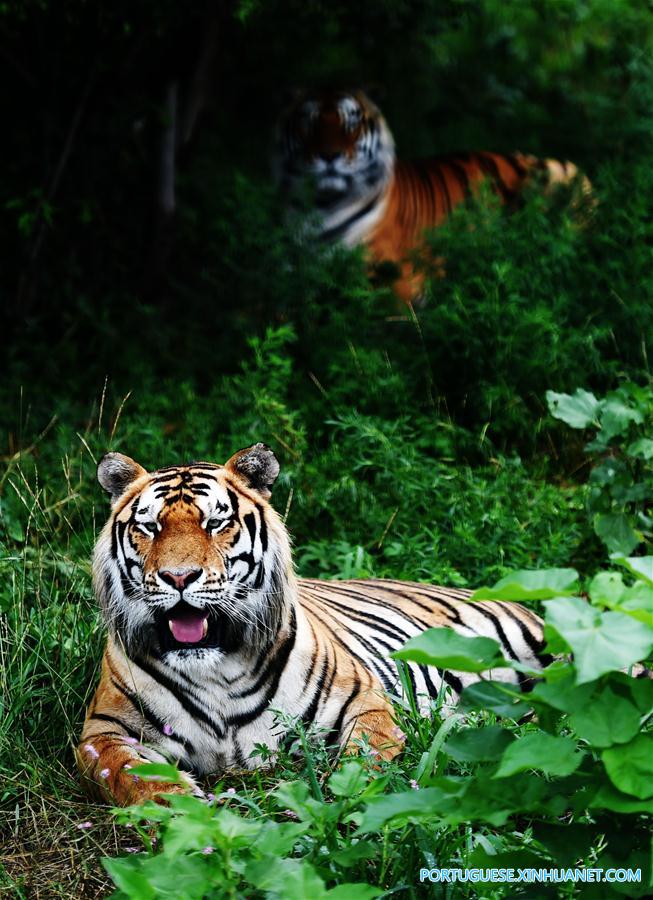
point(607, 719)
point(358, 891)
point(278, 838)
point(616, 417)
point(600, 641)
point(541, 751)
point(579, 410)
point(540, 584)
point(292, 879)
point(411, 806)
point(616, 532)
point(608, 797)
point(352, 853)
point(126, 874)
point(349, 780)
point(630, 766)
point(494, 696)
point(446, 649)
point(563, 693)
point(478, 744)
point(157, 772)
point(607, 588)
point(641, 566)
point(642, 448)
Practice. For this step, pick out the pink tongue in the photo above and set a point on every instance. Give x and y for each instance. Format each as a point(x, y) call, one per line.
point(189, 629)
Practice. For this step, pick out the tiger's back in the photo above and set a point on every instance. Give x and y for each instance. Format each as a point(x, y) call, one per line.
point(367, 620)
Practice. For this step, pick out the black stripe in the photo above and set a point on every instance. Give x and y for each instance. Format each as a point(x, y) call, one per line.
point(332, 233)
point(309, 715)
point(180, 696)
point(280, 662)
point(334, 735)
point(138, 703)
point(103, 717)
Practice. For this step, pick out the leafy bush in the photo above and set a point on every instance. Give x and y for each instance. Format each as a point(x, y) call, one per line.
point(621, 478)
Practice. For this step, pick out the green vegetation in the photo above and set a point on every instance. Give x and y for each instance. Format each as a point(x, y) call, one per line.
point(422, 446)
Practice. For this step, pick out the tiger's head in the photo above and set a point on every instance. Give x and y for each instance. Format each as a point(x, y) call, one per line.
point(193, 561)
point(339, 142)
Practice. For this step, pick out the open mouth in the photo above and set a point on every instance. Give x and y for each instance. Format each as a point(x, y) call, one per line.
point(186, 627)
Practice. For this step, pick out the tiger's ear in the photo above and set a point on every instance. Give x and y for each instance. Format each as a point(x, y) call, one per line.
point(257, 466)
point(115, 472)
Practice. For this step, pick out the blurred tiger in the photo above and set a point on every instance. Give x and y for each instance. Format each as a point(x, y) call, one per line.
point(210, 632)
point(339, 142)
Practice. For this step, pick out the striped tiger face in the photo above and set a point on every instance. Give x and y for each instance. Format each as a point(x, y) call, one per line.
point(339, 142)
point(192, 559)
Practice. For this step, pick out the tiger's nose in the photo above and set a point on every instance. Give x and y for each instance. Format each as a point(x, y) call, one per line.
point(179, 578)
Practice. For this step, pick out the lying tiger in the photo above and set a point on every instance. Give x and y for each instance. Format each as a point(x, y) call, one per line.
point(210, 631)
point(339, 141)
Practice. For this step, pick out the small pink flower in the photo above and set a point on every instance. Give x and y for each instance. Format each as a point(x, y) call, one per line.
point(210, 797)
point(92, 752)
point(105, 773)
point(290, 814)
point(131, 740)
point(127, 766)
point(84, 825)
point(414, 784)
point(131, 850)
point(398, 734)
point(207, 850)
point(231, 791)
point(167, 729)
point(135, 778)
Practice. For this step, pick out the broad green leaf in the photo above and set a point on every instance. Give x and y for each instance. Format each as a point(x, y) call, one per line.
point(352, 853)
point(579, 410)
point(562, 693)
point(292, 879)
point(157, 772)
point(478, 744)
point(524, 584)
point(641, 566)
point(447, 649)
point(616, 417)
point(606, 720)
point(600, 641)
point(616, 532)
point(408, 806)
point(354, 892)
point(541, 751)
point(606, 589)
point(608, 797)
point(127, 875)
point(630, 766)
point(642, 447)
point(278, 838)
point(501, 699)
point(349, 780)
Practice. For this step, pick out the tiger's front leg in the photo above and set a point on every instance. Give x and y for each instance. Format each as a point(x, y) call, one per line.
point(370, 719)
point(105, 762)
